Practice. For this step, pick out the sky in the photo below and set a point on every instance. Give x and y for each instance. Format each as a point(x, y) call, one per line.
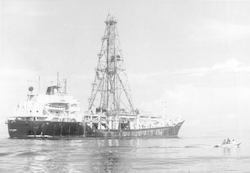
point(193, 56)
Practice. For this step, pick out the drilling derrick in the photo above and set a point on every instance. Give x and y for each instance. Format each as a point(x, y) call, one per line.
point(110, 90)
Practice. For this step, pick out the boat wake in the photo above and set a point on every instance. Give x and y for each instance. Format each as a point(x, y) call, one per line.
point(200, 146)
point(187, 146)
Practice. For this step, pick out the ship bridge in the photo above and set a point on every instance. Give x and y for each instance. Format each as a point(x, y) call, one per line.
point(51, 90)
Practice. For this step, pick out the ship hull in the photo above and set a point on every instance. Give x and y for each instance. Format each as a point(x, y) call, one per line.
point(158, 132)
point(44, 129)
point(76, 130)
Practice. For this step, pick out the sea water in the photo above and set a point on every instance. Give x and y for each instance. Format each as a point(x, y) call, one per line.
point(192, 152)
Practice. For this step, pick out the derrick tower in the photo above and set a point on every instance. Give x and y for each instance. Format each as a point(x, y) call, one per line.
point(110, 89)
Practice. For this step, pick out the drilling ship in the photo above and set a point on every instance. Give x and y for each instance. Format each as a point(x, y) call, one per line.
point(111, 113)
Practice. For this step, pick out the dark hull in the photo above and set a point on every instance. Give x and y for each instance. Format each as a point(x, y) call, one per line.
point(75, 130)
point(44, 129)
point(159, 132)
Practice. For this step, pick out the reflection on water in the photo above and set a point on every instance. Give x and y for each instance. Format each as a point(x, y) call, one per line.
point(108, 162)
point(113, 155)
point(68, 156)
point(38, 156)
point(227, 152)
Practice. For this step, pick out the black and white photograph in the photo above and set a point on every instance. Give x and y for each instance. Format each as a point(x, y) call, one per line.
point(125, 86)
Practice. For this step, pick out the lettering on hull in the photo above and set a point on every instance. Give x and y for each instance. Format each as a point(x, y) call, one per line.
point(12, 130)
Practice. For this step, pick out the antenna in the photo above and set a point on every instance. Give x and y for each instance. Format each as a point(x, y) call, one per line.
point(65, 86)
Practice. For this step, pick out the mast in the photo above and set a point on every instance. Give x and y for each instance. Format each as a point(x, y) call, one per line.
point(110, 90)
point(65, 86)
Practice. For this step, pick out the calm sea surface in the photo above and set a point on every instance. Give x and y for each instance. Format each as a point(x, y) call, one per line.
point(191, 152)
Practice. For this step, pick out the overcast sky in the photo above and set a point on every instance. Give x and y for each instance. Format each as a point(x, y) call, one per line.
point(194, 56)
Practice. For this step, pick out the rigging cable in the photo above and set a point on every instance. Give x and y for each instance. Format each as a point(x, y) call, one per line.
point(79, 64)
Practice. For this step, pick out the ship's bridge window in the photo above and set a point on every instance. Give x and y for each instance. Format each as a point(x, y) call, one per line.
point(23, 118)
point(41, 118)
point(55, 119)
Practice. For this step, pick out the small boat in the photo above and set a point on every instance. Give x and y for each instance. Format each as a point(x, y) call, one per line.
point(230, 145)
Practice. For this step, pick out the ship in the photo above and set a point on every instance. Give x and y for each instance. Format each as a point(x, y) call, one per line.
point(111, 112)
point(52, 115)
